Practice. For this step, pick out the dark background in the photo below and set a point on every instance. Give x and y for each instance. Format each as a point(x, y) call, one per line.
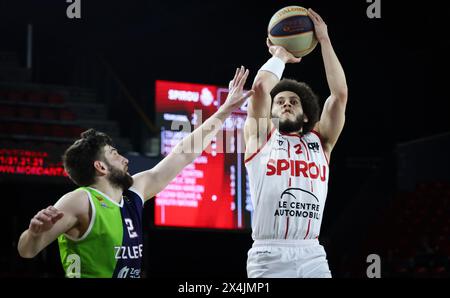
point(397, 74)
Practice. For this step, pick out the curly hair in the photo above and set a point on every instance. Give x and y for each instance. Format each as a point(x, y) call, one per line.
point(308, 99)
point(79, 158)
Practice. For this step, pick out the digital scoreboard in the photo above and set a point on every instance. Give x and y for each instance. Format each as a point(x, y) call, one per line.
point(212, 192)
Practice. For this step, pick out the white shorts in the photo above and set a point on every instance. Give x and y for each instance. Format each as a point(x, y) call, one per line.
point(287, 258)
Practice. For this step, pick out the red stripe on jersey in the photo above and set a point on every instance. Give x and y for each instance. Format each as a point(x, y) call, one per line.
point(307, 231)
point(289, 156)
point(287, 219)
point(259, 149)
point(306, 149)
point(287, 228)
point(289, 149)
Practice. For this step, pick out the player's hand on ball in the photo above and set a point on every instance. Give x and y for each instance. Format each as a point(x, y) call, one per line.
point(44, 220)
point(236, 96)
point(282, 53)
point(320, 28)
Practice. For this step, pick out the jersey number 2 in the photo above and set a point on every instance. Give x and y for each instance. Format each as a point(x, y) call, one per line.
point(73, 270)
point(130, 228)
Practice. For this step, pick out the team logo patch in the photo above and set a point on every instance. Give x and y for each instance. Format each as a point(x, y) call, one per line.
point(281, 144)
point(313, 146)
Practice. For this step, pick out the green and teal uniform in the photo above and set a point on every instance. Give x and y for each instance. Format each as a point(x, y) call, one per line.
point(112, 245)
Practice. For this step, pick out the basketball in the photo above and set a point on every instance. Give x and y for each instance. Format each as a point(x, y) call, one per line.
point(291, 28)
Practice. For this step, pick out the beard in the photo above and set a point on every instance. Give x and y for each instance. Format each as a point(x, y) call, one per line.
point(119, 178)
point(289, 126)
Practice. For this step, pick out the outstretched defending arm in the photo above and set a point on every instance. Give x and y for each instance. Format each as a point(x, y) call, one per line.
point(333, 115)
point(152, 181)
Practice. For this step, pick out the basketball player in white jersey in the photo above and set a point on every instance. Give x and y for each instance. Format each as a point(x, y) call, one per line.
point(288, 148)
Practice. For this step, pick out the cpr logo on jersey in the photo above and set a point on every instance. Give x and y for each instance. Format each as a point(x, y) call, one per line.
point(313, 146)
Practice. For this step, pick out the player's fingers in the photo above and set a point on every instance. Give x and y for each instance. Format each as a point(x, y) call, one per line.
point(235, 75)
point(42, 217)
point(319, 17)
point(273, 48)
point(49, 213)
point(239, 77)
point(35, 224)
point(231, 83)
point(312, 14)
point(316, 16)
point(57, 217)
point(35, 221)
point(52, 208)
point(242, 79)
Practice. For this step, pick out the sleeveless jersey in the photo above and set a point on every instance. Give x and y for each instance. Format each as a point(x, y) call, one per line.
point(288, 186)
point(112, 245)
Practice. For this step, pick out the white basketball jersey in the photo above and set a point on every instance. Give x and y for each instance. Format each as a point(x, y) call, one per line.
point(288, 186)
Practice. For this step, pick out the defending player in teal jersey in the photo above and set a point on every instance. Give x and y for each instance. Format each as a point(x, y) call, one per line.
point(99, 225)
